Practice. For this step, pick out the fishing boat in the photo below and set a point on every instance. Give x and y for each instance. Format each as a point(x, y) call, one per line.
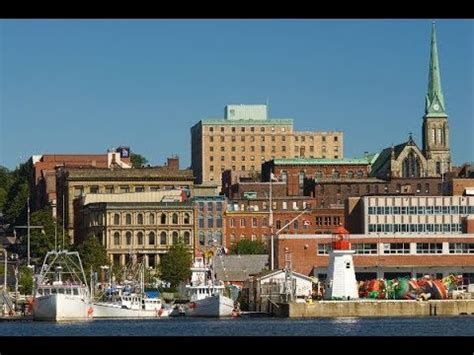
point(206, 294)
point(130, 301)
point(61, 291)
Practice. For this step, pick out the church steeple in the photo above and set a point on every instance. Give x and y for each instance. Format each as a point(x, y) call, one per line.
point(434, 105)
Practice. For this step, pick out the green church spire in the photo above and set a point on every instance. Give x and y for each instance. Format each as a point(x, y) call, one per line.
point(434, 99)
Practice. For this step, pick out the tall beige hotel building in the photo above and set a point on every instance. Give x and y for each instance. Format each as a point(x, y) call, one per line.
point(246, 137)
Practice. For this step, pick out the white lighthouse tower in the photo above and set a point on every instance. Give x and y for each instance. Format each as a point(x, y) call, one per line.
point(341, 282)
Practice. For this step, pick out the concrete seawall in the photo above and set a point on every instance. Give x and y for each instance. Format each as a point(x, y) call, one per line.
point(376, 308)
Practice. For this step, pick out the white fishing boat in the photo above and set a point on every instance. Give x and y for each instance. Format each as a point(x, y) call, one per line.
point(130, 301)
point(206, 294)
point(61, 292)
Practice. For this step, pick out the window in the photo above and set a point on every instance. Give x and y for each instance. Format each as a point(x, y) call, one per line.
point(254, 222)
point(94, 189)
point(295, 224)
point(201, 221)
point(365, 248)
point(116, 219)
point(336, 174)
point(175, 237)
point(140, 218)
point(324, 249)
point(218, 237)
point(211, 129)
point(411, 166)
point(222, 149)
point(187, 237)
point(211, 149)
point(319, 221)
point(151, 218)
point(163, 238)
point(461, 248)
point(222, 138)
point(175, 218)
point(78, 191)
point(163, 218)
point(438, 167)
point(233, 138)
point(140, 238)
point(151, 238)
point(233, 129)
point(202, 238)
point(429, 248)
point(219, 221)
point(139, 189)
point(116, 238)
point(211, 167)
point(128, 218)
point(278, 224)
point(210, 221)
point(242, 222)
point(396, 248)
point(109, 189)
point(128, 238)
point(211, 139)
point(186, 218)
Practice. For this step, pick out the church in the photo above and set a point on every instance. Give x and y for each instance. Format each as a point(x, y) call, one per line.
point(407, 160)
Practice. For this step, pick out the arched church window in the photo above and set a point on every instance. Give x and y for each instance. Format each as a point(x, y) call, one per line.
point(411, 166)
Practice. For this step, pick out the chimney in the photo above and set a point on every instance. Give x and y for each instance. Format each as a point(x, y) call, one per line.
point(173, 162)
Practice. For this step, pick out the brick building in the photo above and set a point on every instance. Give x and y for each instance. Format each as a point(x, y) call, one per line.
point(43, 179)
point(335, 192)
point(383, 256)
point(246, 137)
point(72, 183)
point(294, 171)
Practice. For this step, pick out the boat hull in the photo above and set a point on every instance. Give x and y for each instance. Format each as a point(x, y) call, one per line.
point(60, 307)
point(104, 310)
point(214, 306)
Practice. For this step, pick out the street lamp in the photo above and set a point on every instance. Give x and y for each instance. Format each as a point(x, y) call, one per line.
point(272, 252)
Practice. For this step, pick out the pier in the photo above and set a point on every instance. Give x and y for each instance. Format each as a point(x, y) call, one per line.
point(375, 308)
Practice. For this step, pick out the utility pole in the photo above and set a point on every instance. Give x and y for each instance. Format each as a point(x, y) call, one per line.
point(5, 271)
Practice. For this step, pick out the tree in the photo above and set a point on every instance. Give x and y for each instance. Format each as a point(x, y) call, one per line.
point(175, 266)
point(6, 180)
point(138, 161)
point(92, 253)
point(248, 247)
point(17, 194)
point(25, 280)
point(43, 240)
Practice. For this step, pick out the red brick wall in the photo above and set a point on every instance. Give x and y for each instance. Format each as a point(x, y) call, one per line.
point(304, 253)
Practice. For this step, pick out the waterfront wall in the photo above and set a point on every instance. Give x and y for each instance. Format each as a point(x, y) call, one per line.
point(376, 308)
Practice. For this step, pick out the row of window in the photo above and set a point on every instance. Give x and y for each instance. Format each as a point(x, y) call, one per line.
point(416, 228)
point(151, 238)
point(210, 221)
point(210, 206)
point(164, 218)
point(403, 248)
point(210, 238)
point(263, 238)
point(242, 129)
point(80, 190)
point(422, 210)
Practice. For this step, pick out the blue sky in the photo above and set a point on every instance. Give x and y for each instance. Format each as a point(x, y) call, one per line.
point(82, 86)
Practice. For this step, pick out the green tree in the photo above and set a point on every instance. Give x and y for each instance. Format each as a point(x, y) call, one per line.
point(175, 266)
point(93, 254)
point(6, 180)
point(43, 240)
point(246, 247)
point(17, 194)
point(138, 161)
point(25, 280)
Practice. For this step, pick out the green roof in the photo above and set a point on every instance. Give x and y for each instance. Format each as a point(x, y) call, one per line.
point(222, 121)
point(317, 161)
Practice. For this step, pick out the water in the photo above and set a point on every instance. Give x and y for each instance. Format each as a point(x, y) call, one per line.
point(396, 326)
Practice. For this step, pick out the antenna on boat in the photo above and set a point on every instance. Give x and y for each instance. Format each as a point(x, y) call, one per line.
point(55, 235)
point(64, 226)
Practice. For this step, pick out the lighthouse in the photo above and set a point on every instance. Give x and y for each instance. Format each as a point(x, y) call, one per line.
point(341, 282)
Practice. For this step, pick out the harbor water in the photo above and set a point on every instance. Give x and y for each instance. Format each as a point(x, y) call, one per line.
point(262, 326)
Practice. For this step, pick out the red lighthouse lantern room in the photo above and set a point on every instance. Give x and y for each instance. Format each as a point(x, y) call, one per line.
point(340, 239)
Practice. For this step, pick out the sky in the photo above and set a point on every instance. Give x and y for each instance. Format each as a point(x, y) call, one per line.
point(84, 86)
